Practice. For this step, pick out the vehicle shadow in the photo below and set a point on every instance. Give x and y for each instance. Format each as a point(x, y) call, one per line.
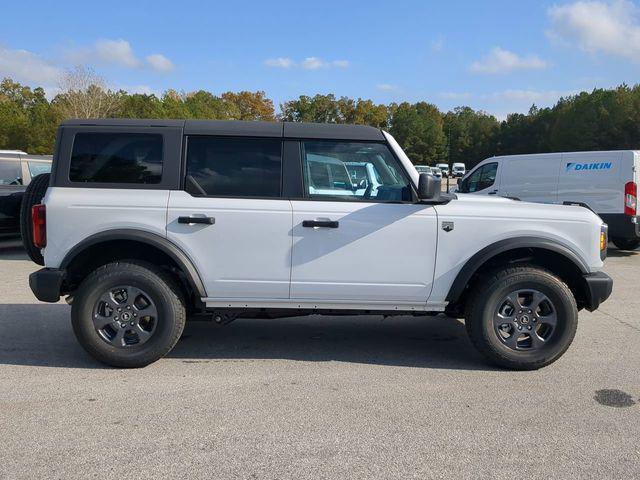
point(614, 252)
point(41, 335)
point(12, 251)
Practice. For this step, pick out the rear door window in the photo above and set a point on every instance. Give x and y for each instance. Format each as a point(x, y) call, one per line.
point(117, 158)
point(10, 172)
point(234, 167)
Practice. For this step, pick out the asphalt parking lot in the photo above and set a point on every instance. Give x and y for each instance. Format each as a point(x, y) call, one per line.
point(317, 398)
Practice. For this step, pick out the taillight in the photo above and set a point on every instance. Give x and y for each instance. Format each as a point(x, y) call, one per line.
point(39, 225)
point(630, 199)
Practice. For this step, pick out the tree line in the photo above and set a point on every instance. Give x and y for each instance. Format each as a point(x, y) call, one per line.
point(603, 119)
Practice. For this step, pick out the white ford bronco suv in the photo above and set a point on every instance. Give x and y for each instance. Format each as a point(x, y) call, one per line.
point(145, 223)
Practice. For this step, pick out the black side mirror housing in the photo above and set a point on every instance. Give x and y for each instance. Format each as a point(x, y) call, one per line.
point(428, 187)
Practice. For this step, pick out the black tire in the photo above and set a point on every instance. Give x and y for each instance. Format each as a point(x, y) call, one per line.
point(626, 243)
point(162, 290)
point(482, 318)
point(32, 196)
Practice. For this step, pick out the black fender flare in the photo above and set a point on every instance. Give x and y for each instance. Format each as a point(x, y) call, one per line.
point(490, 251)
point(152, 239)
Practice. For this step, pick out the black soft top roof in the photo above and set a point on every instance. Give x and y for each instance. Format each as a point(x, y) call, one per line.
point(245, 129)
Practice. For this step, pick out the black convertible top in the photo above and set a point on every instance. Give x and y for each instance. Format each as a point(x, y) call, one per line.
point(245, 129)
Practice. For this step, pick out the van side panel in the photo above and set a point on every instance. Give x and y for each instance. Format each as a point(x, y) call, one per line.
point(596, 179)
point(532, 178)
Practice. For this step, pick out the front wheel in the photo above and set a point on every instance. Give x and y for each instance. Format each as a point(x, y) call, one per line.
point(522, 318)
point(128, 314)
point(626, 243)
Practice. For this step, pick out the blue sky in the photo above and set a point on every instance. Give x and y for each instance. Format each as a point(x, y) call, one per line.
point(500, 56)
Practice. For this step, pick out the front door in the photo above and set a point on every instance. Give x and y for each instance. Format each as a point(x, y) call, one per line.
point(364, 243)
point(231, 219)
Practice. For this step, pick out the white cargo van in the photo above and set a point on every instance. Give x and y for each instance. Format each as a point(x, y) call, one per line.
point(458, 170)
point(605, 182)
point(444, 167)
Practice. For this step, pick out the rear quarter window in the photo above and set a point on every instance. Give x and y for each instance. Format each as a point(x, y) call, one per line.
point(129, 158)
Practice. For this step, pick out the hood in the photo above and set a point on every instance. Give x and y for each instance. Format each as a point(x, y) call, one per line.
point(533, 211)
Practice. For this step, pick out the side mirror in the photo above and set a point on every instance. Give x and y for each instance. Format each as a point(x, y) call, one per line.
point(428, 187)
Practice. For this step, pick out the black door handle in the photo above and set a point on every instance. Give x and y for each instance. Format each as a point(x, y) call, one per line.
point(320, 223)
point(494, 192)
point(200, 220)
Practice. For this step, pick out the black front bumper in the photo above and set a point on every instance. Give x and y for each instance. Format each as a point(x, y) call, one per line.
point(46, 284)
point(599, 288)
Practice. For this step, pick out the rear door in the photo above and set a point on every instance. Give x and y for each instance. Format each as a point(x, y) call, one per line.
point(231, 218)
point(371, 246)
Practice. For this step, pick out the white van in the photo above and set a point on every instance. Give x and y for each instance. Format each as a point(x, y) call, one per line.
point(444, 167)
point(458, 170)
point(605, 182)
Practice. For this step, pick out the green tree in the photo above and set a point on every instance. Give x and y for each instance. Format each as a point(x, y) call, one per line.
point(419, 129)
point(140, 105)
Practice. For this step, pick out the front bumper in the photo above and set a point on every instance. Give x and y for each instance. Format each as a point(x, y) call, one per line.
point(46, 284)
point(599, 288)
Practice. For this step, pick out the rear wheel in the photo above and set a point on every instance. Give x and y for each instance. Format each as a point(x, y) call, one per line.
point(32, 196)
point(128, 314)
point(626, 243)
point(522, 318)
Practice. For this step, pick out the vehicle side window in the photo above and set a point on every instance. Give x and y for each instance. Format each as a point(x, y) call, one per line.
point(234, 167)
point(116, 158)
point(480, 179)
point(353, 171)
point(10, 173)
point(488, 176)
point(38, 168)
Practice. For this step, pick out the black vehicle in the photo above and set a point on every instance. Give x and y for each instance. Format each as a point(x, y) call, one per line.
point(16, 171)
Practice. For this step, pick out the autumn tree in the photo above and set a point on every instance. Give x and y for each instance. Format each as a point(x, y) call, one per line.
point(246, 105)
point(84, 95)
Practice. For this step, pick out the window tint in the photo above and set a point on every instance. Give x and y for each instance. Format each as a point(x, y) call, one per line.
point(480, 179)
point(10, 172)
point(116, 158)
point(38, 168)
point(354, 171)
point(234, 167)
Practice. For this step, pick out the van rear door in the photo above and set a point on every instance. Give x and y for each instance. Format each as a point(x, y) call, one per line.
point(532, 178)
point(596, 179)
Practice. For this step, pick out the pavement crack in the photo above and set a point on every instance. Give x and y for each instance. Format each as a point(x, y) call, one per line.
point(619, 320)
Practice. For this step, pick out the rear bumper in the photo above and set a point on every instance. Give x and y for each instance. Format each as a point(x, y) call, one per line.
point(599, 288)
point(46, 284)
point(621, 225)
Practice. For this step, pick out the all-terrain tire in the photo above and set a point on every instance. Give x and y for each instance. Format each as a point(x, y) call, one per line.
point(487, 298)
point(161, 288)
point(32, 196)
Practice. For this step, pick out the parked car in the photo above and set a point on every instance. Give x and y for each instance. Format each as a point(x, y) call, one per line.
point(423, 169)
point(436, 172)
point(458, 170)
point(145, 222)
point(444, 168)
point(605, 182)
point(16, 171)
